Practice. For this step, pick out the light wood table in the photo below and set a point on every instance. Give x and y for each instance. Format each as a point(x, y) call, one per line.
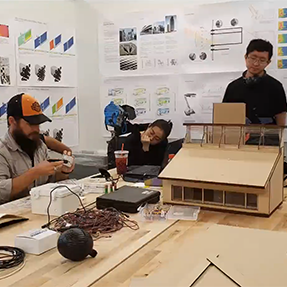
point(163, 248)
point(51, 269)
point(128, 254)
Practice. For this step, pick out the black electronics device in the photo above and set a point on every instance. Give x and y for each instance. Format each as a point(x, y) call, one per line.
point(144, 172)
point(128, 199)
point(137, 173)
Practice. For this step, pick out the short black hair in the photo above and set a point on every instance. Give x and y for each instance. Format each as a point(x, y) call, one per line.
point(260, 46)
point(163, 125)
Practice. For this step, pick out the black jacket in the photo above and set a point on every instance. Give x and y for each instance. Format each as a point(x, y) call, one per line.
point(133, 144)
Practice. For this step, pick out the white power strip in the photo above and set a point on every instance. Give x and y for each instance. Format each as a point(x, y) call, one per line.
point(37, 241)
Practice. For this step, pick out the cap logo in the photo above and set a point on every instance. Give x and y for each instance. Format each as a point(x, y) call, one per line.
point(36, 107)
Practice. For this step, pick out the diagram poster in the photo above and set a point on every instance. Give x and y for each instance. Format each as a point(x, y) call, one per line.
point(6, 94)
point(152, 97)
point(7, 54)
point(46, 54)
point(61, 106)
point(198, 93)
point(282, 39)
point(216, 35)
point(139, 43)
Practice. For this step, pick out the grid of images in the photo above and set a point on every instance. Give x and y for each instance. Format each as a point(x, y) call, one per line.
point(5, 78)
point(128, 49)
point(169, 25)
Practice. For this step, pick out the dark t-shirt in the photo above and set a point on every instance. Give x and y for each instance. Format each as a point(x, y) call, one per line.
point(264, 99)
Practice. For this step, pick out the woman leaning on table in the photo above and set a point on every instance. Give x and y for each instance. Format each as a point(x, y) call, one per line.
point(146, 143)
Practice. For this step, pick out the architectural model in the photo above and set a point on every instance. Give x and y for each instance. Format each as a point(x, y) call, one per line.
point(227, 167)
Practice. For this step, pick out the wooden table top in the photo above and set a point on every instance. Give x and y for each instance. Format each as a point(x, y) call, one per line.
point(160, 250)
point(126, 255)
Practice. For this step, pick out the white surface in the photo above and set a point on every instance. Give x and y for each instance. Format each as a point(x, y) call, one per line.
point(62, 199)
point(37, 241)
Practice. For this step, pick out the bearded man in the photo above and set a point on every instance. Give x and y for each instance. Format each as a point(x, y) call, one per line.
point(23, 155)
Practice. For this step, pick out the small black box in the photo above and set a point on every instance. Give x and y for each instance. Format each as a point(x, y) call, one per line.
point(128, 198)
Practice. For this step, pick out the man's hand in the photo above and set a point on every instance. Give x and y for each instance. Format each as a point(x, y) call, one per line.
point(145, 141)
point(46, 168)
point(71, 165)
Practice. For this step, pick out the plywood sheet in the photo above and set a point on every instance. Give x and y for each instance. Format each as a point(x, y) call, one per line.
point(215, 278)
point(258, 255)
point(276, 186)
point(229, 113)
point(238, 167)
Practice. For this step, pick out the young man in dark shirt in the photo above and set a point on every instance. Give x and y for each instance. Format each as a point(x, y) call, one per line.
point(263, 95)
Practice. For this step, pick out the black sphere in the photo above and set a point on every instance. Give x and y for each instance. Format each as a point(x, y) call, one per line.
point(76, 244)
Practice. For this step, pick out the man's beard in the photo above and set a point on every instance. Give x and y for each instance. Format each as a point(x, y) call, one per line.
point(27, 145)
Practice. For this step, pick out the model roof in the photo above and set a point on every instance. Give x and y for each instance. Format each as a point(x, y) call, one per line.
point(218, 165)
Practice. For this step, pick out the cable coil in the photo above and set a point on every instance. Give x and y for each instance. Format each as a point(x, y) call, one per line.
point(11, 257)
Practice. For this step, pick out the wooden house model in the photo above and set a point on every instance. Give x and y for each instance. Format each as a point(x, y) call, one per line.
point(227, 167)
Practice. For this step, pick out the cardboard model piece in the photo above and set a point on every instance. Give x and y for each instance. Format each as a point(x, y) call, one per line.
point(224, 256)
point(227, 167)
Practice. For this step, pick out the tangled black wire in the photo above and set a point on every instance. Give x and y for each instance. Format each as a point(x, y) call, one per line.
point(94, 221)
point(11, 257)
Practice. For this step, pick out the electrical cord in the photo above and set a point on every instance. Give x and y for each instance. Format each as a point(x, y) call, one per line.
point(94, 221)
point(50, 202)
point(11, 257)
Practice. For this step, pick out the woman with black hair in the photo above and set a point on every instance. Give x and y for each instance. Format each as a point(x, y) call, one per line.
point(146, 146)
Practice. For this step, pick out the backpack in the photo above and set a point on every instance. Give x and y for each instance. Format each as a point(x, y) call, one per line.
point(114, 116)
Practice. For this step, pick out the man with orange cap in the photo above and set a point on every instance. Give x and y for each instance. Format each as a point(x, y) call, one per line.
point(23, 155)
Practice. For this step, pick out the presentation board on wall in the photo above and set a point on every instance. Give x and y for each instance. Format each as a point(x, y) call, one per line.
point(176, 64)
point(40, 59)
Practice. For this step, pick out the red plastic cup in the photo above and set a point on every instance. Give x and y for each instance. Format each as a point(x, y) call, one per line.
point(121, 161)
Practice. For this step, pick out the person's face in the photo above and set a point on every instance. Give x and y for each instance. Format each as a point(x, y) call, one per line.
point(155, 134)
point(32, 132)
point(256, 62)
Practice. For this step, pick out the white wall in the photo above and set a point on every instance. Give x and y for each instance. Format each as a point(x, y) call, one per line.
point(90, 119)
point(46, 11)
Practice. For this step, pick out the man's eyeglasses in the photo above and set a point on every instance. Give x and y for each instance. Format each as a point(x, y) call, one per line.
point(254, 60)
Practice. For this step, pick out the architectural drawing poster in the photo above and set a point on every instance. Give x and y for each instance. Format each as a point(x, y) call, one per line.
point(217, 42)
point(282, 39)
point(152, 97)
point(6, 93)
point(61, 106)
point(7, 55)
point(196, 97)
point(138, 43)
point(46, 54)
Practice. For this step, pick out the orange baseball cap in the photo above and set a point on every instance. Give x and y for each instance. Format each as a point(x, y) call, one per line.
point(26, 107)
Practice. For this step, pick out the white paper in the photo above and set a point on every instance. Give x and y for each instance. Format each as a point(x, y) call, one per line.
point(46, 54)
point(7, 52)
point(198, 93)
point(61, 106)
point(282, 40)
point(138, 43)
point(216, 35)
point(152, 97)
point(6, 93)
